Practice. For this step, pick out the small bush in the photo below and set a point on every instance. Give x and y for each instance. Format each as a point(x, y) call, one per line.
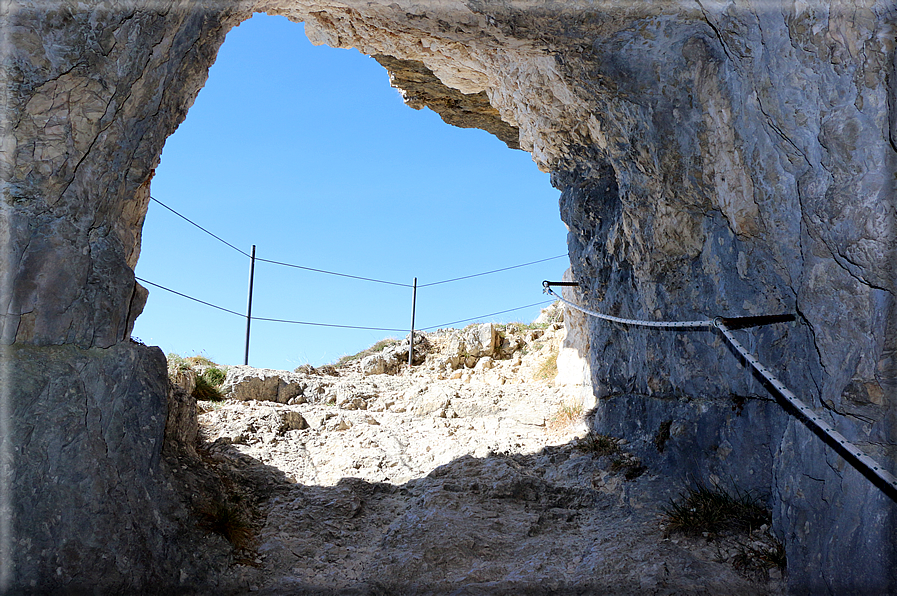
point(713, 509)
point(214, 375)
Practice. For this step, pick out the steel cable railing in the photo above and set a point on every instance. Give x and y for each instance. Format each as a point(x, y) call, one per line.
point(723, 325)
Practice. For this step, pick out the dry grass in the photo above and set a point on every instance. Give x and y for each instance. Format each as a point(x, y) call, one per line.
point(548, 370)
point(567, 415)
point(199, 360)
point(377, 347)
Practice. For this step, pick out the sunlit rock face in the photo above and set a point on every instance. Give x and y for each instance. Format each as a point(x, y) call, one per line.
point(714, 159)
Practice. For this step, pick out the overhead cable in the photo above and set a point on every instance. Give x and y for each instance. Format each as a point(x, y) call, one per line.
point(264, 318)
point(445, 281)
point(379, 281)
point(233, 312)
point(293, 322)
point(501, 312)
point(220, 239)
point(358, 277)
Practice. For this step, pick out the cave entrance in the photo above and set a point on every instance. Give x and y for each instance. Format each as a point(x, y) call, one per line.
point(308, 153)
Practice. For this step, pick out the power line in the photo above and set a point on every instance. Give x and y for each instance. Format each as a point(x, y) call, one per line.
point(445, 281)
point(200, 227)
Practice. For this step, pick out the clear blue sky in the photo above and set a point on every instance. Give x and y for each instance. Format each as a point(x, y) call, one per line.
point(308, 153)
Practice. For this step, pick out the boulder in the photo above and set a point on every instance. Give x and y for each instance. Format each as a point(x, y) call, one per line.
point(251, 424)
point(392, 358)
point(262, 384)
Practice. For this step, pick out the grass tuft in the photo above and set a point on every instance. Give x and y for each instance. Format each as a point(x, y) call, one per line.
point(228, 521)
point(704, 508)
point(567, 415)
point(214, 375)
point(206, 390)
point(598, 444)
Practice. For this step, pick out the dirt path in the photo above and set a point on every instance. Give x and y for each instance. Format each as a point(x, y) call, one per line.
point(417, 483)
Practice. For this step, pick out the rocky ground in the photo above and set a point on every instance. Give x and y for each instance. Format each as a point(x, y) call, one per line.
point(469, 474)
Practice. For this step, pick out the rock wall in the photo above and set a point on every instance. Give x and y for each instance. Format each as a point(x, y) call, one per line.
point(713, 158)
point(89, 504)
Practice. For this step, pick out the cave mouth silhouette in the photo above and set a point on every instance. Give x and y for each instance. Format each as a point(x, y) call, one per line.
point(280, 126)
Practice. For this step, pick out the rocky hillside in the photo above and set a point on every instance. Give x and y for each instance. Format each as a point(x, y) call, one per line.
point(472, 472)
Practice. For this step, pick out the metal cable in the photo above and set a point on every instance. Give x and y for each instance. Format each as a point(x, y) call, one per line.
point(233, 312)
point(812, 417)
point(289, 321)
point(379, 281)
point(484, 316)
point(358, 277)
point(641, 323)
point(807, 411)
point(267, 319)
point(245, 254)
point(445, 281)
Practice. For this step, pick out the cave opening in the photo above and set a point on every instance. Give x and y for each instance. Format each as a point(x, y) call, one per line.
point(309, 153)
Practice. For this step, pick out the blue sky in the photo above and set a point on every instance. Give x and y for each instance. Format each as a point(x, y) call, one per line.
point(308, 153)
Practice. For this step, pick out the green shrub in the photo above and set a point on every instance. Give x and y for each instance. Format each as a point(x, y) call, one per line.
point(214, 375)
point(206, 390)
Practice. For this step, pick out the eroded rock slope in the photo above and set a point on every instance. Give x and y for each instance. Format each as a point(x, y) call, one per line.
point(472, 477)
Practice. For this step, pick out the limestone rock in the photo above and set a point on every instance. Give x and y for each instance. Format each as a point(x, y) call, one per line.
point(185, 380)
point(243, 424)
point(421, 88)
point(713, 158)
point(261, 384)
point(85, 436)
point(473, 343)
point(394, 358)
point(375, 364)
